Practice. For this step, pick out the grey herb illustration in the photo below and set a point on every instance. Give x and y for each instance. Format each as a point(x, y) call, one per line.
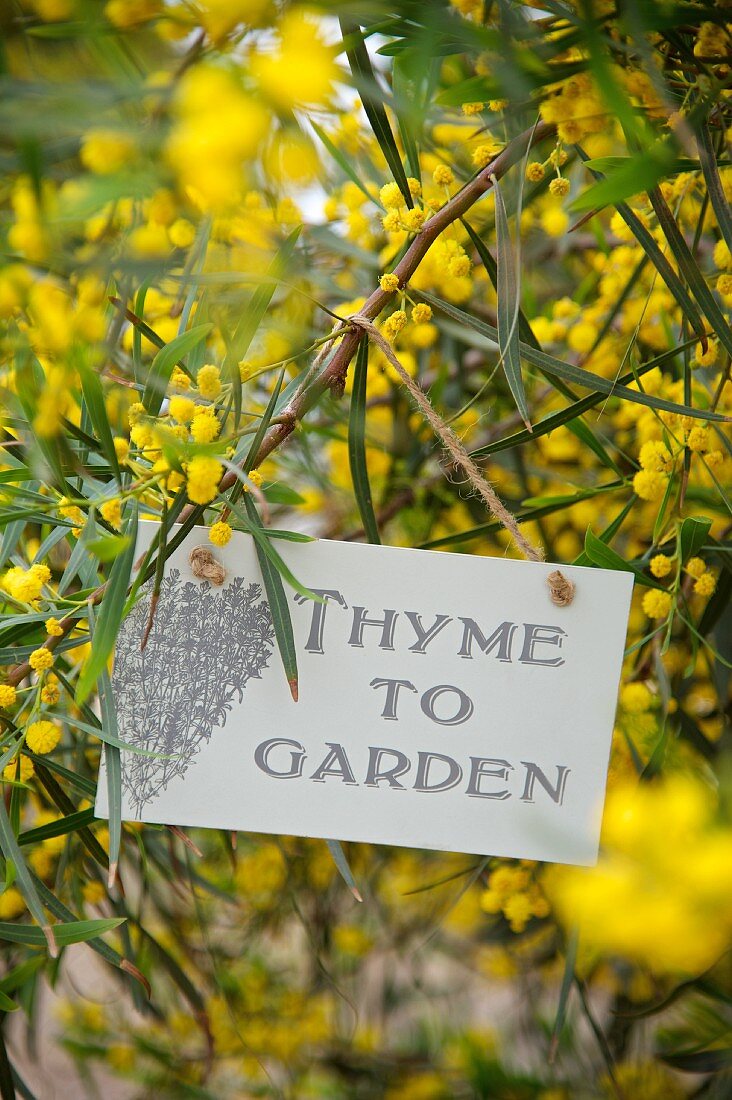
point(204, 647)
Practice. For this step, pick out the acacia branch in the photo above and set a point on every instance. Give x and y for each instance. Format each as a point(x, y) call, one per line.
point(333, 375)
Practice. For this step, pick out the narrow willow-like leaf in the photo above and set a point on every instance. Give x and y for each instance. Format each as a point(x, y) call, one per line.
point(278, 606)
point(570, 963)
point(357, 445)
point(715, 190)
point(649, 245)
point(61, 827)
point(368, 88)
point(508, 307)
point(690, 269)
point(162, 365)
point(112, 763)
point(570, 373)
point(603, 555)
point(67, 808)
point(110, 613)
point(529, 516)
point(339, 858)
point(11, 851)
point(91, 387)
point(71, 932)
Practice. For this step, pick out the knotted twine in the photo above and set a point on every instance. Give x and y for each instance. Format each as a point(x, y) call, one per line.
point(561, 589)
point(205, 566)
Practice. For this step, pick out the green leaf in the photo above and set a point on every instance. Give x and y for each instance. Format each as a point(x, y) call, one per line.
point(692, 536)
point(570, 963)
point(508, 307)
point(107, 548)
point(649, 245)
point(14, 856)
point(78, 931)
point(163, 363)
point(570, 373)
point(91, 387)
point(110, 613)
point(6, 1003)
point(715, 189)
point(356, 445)
point(636, 174)
point(278, 605)
point(64, 825)
point(603, 555)
point(690, 269)
point(367, 86)
point(339, 858)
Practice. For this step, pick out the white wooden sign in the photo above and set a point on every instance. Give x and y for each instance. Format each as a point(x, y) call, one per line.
point(444, 701)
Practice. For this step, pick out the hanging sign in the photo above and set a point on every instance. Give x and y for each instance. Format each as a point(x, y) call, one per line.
point(444, 701)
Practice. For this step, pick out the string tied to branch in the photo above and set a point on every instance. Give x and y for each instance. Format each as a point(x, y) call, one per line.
point(561, 590)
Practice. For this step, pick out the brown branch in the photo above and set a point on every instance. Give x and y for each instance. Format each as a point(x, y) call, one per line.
point(333, 376)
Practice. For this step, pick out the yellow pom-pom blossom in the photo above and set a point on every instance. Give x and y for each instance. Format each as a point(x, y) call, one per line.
point(182, 409)
point(657, 604)
point(53, 628)
point(220, 533)
point(50, 692)
point(389, 283)
point(10, 771)
point(705, 585)
point(42, 736)
point(660, 565)
point(282, 75)
point(535, 172)
point(660, 894)
point(695, 567)
point(111, 511)
point(11, 904)
point(443, 176)
point(121, 448)
point(208, 381)
point(559, 187)
point(204, 426)
point(8, 696)
point(422, 313)
point(649, 484)
point(40, 659)
point(391, 196)
point(26, 585)
point(105, 152)
point(202, 479)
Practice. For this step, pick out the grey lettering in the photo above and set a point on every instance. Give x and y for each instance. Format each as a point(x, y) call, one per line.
point(534, 772)
point(375, 774)
point(387, 624)
point(424, 766)
point(314, 643)
point(464, 711)
point(501, 639)
point(392, 694)
point(535, 634)
point(336, 763)
point(479, 769)
point(297, 758)
point(424, 637)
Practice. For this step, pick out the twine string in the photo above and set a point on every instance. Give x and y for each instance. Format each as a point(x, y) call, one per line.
point(561, 590)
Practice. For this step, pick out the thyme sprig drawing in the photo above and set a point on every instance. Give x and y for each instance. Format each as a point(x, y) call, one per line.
point(204, 647)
